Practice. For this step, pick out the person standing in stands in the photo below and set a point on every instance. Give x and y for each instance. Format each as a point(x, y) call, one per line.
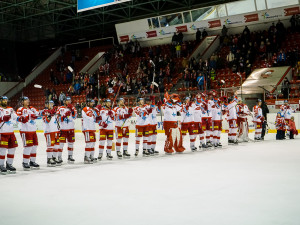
point(285, 88)
point(265, 111)
point(198, 36)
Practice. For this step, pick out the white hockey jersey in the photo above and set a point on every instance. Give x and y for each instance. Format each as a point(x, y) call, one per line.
point(286, 111)
point(187, 113)
point(197, 112)
point(28, 112)
point(88, 119)
point(119, 118)
point(109, 120)
point(50, 123)
point(66, 122)
point(242, 111)
point(142, 116)
point(153, 114)
point(8, 127)
point(231, 111)
point(170, 111)
point(216, 113)
point(257, 114)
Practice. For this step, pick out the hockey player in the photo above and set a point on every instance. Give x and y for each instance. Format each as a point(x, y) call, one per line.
point(67, 115)
point(106, 127)
point(153, 125)
point(242, 121)
point(27, 116)
point(8, 141)
point(198, 131)
point(232, 120)
point(142, 113)
point(280, 126)
point(172, 131)
point(257, 120)
point(51, 133)
point(89, 117)
point(206, 119)
point(286, 112)
point(123, 113)
point(216, 113)
point(187, 121)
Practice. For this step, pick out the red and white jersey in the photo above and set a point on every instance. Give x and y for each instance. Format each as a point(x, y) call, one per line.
point(142, 116)
point(286, 111)
point(50, 123)
point(88, 119)
point(242, 111)
point(257, 111)
point(109, 120)
point(119, 118)
point(204, 109)
point(153, 115)
point(197, 112)
point(231, 111)
point(187, 113)
point(8, 127)
point(66, 122)
point(210, 104)
point(216, 113)
point(170, 111)
point(28, 112)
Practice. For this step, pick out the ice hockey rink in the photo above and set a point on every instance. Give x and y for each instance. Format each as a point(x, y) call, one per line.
point(252, 183)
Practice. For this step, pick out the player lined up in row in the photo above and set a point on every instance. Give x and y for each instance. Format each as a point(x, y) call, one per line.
point(201, 118)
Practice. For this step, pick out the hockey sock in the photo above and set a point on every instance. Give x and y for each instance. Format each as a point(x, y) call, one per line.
point(101, 146)
point(2, 156)
point(11, 155)
point(154, 137)
point(145, 142)
point(109, 146)
point(49, 153)
point(60, 150)
point(118, 144)
point(201, 138)
point(149, 142)
point(137, 142)
point(234, 134)
point(26, 154)
point(33, 153)
point(215, 141)
point(55, 151)
point(92, 149)
point(218, 136)
point(125, 143)
point(70, 148)
point(192, 141)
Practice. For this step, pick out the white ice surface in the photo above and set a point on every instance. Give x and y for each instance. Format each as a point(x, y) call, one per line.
point(249, 184)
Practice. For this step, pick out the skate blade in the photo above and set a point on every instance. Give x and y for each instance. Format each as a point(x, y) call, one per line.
point(3, 173)
point(11, 172)
point(179, 152)
point(120, 157)
point(146, 155)
point(51, 165)
point(88, 162)
point(35, 168)
point(109, 158)
point(126, 157)
point(26, 169)
point(168, 153)
point(70, 162)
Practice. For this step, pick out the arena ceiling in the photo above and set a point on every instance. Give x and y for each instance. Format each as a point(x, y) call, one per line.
point(33, 20)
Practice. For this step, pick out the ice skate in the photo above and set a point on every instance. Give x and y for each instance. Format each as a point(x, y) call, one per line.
point(194, 149)
point(71, 160)
point(119, 155)
point(155, 152)
point(3, 170)
point(100, 156)
point(26, 166)
point(151, 152)
point(87, 160)
point(109, 156)
point(126, 154)
point(10, 168)
point(51, 162)
point(136, 153)
point(208, 144)
point(59, 161)
point(34, 165)
point(93, 159)
point(220, 145)
point(203, 146)
point(146, 153)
